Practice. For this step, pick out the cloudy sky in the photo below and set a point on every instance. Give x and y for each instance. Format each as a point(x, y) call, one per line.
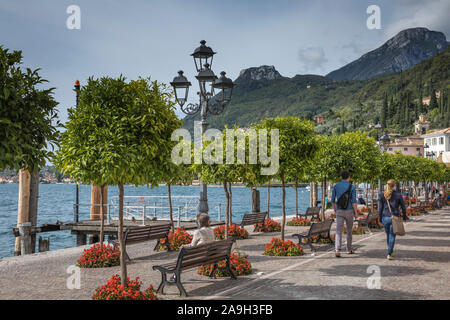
point(154, 38)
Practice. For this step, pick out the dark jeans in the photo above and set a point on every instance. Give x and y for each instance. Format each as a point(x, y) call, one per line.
point(390, 235)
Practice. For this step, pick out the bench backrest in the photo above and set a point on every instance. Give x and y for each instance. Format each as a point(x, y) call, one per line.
point(159, 231)
point(137, 234)
point(253, 218)
point(144, 233)
point(207, 253)
point(312, 211)
point(320, 227)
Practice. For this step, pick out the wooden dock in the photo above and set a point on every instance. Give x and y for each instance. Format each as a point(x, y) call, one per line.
point(84, 228)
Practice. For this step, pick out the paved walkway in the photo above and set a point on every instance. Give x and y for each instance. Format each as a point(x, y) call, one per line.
point(421, 270)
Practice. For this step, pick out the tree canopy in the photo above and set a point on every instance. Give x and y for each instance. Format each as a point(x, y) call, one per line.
point(28, 115)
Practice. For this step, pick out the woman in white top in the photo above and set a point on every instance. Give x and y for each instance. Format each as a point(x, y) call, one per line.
point(204, 234)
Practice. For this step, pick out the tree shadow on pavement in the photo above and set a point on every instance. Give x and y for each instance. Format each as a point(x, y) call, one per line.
point(277, 289)
point(408, 255)
point(438, 227)
point(360, 270)
point(419, 242)
point(428, 234)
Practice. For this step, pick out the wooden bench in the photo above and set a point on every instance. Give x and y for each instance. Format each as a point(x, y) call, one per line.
point(316, 229)
point(312, 212)
point(137, 234)
point(253, 219)
point(371, 217)
point(191, 257)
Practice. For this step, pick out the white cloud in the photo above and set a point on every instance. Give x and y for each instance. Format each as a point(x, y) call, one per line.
point(432, 14)
point(312, 59)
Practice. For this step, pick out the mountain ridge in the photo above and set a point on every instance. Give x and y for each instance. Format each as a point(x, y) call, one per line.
point(262, 92)
point(401, 52)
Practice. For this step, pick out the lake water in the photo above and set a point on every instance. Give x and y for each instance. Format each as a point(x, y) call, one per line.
point(56, 203)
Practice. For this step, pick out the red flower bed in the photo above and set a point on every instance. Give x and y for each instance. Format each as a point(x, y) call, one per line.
point(299, 222)
point(363, 211)
point(240, 265)
point(234, 231)
point(332, 216)
point(315, 239)
point(113, 290)
point(277, 247)
point(412, 211)
point(177, 239)
point(371, 223)
point(99, 257)
point(356, 230)
point(270, 225)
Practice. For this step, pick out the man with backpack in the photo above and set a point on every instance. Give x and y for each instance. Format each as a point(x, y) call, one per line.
point(344, 203)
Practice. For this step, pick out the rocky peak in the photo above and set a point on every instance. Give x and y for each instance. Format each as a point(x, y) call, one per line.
point(406, 49)
point(407, 36)
point(258, 73)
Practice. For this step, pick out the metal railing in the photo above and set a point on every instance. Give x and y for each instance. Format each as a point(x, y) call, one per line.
point(184, 208)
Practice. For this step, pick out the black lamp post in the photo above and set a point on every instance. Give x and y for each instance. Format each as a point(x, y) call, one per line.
point(77, 190)
point(209, 101)
point(425, 185)
point(383, 143)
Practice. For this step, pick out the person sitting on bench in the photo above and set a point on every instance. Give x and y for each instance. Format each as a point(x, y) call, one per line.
point(202, 235)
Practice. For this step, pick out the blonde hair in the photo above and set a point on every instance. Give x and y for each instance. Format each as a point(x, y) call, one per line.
point(390, 185)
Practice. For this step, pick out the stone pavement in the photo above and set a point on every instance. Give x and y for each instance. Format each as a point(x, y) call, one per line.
point(421, 269)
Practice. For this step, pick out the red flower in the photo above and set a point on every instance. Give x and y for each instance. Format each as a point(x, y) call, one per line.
point(270, 225)
point(99, 256)
point(239, 264)
point(278, 247)
point(234, 231)
point(113, 290)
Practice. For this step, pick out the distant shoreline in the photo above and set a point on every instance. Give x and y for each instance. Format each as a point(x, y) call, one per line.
point(300, 185)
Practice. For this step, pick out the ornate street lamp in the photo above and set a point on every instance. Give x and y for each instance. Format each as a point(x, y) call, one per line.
point(206, 77)
point(209, 101)
point(203, 55)
point(181, 86)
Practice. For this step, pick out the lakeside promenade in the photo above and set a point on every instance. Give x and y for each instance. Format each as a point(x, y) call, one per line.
point(420, 269)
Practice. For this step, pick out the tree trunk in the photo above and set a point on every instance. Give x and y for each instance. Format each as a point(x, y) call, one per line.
point(283, 205)
point(169, 193)
point(96, 202)
point(296, 197)
point(34, 198)
point(367, 193)
point(373, 194)
point(324, 190)
point(415, 194)
point(101, 217)
point(230, 216)
point(409, 193)
point(311, 188)
point(268, 199)
point(227, 212)
point(123, 262)
point(23, 208)
point(314, 193)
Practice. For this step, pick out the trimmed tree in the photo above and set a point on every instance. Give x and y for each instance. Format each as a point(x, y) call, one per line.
point(125, 140)
point(28, 129)
point(296, 147)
